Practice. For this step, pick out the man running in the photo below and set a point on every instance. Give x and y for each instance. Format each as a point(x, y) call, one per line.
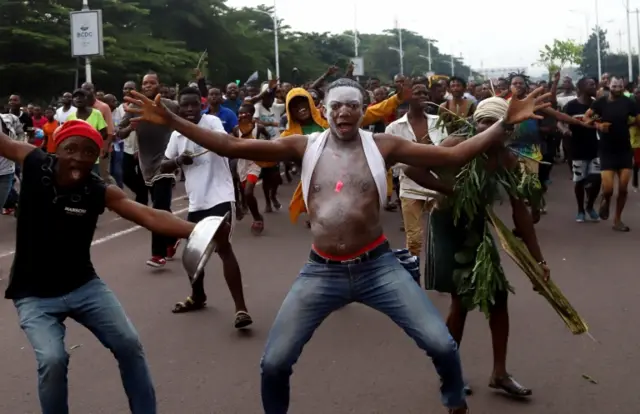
point(60, 202)
point(614, 112)
point(583, 151)
point(210, 189)
point(344, 186)
point(152, 143)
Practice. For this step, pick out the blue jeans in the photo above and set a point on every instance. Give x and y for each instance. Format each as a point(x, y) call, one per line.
point(6, 184)
point(116, 167)
point(382, 284)
point(95, 307)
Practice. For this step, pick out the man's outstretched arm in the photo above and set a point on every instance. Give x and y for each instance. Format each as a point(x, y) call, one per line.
point(290, 149)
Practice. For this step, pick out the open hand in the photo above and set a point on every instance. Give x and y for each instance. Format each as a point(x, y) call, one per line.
point(523, 109)
point(148, 110)
point(603, 126)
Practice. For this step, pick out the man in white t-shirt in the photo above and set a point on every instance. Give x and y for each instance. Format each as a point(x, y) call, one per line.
point(209, 186)
point(66, 109)
point(417, 126)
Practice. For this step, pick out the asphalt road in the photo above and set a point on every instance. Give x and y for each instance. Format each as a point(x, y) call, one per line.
point(358, 361)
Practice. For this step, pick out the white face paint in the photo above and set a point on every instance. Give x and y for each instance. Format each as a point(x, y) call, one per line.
point(343, 110)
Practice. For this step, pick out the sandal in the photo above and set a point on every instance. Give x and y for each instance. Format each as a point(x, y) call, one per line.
point(257, 227)
point(243, 319)
point(509, 385)
point(189, 305)
point(621, 227)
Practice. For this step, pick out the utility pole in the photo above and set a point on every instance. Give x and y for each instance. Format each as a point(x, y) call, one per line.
point(637, 13)
point(630, 63)
point(598, 41)
point(620, 33)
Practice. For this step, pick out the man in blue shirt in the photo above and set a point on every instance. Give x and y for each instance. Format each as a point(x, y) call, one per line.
point(227, 116)
point(232, 100)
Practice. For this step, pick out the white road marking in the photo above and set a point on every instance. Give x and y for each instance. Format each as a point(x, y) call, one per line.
point(117, 234)
point(105, 238)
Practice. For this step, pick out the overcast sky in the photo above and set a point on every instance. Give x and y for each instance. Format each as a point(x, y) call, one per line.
point(489, 33)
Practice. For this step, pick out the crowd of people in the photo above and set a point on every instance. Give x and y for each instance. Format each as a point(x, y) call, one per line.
point(353, 147)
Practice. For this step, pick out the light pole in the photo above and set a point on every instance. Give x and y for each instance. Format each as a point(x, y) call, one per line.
point(273, 17)
point(598, 43)
point(629, 62)
point(599, 51)
point(428, 59)
point(87, 60)
point(399, 48)
point(637, 12)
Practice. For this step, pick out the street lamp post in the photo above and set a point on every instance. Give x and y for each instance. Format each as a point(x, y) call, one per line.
point(428, 59)
point(629, 62)
point(599, 51)
point(598, 43)
point(273, 17)
point(399, 48)
point(87, 60)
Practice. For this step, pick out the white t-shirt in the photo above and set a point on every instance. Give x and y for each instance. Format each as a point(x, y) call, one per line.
point(273, 114)
point(61, 116)
point(208, 179)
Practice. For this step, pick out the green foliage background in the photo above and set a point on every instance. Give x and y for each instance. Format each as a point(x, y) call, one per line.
point(168, 37)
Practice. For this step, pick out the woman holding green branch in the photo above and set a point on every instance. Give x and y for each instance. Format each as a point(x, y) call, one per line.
point(462, 256)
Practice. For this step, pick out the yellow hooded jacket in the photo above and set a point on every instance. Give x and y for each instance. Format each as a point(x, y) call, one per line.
point(373, 114)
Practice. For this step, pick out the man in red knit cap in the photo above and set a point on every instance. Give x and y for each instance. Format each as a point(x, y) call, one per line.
point(60, 202)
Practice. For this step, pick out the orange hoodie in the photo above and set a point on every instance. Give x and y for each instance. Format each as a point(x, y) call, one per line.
point(373, 114)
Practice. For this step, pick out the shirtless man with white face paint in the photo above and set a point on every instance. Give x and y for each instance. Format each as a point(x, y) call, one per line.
point(344, 187)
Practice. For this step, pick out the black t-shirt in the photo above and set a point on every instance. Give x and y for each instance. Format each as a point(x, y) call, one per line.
point(26, 121)
point(54, 232)
point(584, 141)
point(377, 128)
point(617, 112)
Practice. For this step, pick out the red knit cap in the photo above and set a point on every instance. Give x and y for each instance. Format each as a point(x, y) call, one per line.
point(77, 128)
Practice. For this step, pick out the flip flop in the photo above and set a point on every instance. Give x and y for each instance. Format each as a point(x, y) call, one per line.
point(509, 385)
point(243, 319)
point(189, 305)
point(621, 227)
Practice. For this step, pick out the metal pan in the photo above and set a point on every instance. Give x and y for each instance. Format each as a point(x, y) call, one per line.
point(200, 246)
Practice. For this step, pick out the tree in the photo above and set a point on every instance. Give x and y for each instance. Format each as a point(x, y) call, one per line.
point(589, 63)
point(613, 63)
point(168, 37)
point(560, 53)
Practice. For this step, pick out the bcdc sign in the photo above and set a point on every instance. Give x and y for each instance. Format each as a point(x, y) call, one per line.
point(86, 33)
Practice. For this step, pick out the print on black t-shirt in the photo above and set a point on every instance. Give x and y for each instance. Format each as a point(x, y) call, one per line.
point(584, 141)
point(617, 112)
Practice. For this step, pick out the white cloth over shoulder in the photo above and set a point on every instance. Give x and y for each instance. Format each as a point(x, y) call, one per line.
point(315, 145)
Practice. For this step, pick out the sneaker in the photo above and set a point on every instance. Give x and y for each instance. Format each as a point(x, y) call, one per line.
point(593, 215)
point(8, 211)
point(172, 250)
point(156, 261)
point(580, 218)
